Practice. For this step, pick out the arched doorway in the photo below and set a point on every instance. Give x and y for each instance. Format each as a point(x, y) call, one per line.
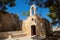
point(33, 30)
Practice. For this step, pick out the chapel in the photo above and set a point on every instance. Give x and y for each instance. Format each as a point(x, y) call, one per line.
point(35, 25)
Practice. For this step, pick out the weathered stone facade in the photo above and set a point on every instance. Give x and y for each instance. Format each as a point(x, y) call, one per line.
point(34, 24)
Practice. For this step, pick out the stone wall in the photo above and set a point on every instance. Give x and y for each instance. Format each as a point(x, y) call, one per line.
point(12, 34)
point(9, 22)
point(48, 27)
point(3, 35)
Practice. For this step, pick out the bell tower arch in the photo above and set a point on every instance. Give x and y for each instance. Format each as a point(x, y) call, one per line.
point(32, 10)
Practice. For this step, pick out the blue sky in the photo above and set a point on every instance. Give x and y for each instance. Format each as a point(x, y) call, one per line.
point(21, 6)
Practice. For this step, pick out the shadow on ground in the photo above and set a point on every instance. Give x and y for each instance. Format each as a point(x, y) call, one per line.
point(39, 38)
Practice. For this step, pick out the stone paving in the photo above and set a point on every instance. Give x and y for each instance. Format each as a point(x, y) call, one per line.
point(30, 38)
point(24, 38)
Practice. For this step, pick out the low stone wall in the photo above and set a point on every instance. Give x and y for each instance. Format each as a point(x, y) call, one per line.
point(12, 34)
point(4, 35)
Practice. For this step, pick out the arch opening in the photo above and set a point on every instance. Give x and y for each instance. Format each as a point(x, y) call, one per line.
point(33, 30)
point(32, 10)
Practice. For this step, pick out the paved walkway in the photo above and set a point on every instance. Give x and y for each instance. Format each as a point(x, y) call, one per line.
point(28, 38)
point(24, 38)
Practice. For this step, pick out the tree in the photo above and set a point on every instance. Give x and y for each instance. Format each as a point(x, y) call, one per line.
point(53, 5)
point(26, 13)
point(5, 3)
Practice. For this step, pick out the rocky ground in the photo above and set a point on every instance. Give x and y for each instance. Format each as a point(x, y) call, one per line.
point(24, 38)
point(21, 39)
point(31, 38)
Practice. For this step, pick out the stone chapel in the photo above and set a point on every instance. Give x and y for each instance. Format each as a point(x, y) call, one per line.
point(34, 24)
